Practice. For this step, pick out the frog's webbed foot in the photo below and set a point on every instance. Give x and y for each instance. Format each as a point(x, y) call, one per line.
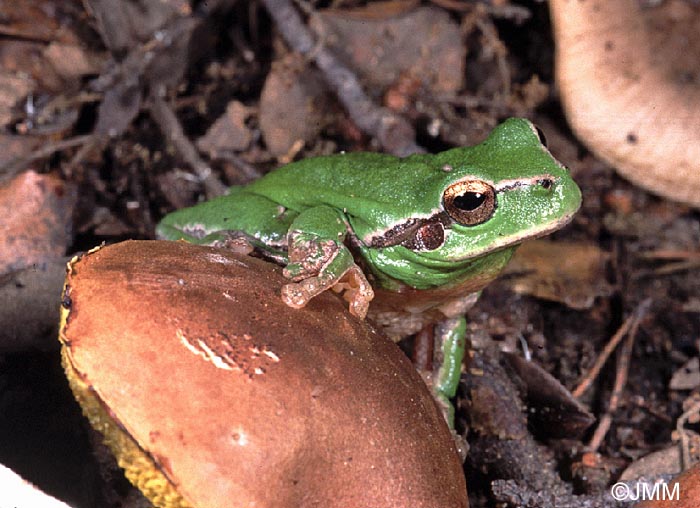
point(317, 265)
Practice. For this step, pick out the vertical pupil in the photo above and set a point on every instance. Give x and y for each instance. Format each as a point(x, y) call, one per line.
point(469, 201)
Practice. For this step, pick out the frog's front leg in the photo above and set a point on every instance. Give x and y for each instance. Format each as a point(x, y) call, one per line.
point(319, 260)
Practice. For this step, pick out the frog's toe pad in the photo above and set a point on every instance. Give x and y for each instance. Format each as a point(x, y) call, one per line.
point(295, 295)
point(357, 291)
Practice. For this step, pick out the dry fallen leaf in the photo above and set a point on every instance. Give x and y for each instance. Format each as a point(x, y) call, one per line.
point(36, 231)
point(228, 132)
point(294, 104)
point(72, 61)
point(13, 147)
point(551, 407)
point(659, 463)
point(572, 273)
point(423, 43)
point(37, 218)
point(34, 20)
point(687, 377)
point(14, 87)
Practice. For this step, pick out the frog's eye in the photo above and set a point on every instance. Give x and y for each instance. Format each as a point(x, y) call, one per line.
point(470, 202)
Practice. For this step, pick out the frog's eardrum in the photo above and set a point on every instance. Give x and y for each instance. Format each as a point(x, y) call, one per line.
point(212, 392)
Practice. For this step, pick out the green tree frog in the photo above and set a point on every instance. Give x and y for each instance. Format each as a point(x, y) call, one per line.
point(410, 240)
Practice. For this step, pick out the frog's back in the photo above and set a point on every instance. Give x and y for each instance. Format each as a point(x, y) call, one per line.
point(350, 182)
point(328, 169)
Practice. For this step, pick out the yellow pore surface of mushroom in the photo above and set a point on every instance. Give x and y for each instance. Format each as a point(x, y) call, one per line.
point(213, 393)
point(138, 466)
point(629, 80)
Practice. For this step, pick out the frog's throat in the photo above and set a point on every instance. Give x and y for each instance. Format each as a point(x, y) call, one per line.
point(470, 275)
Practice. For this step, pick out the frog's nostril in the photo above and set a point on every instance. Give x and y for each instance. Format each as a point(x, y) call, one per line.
point(546, 183)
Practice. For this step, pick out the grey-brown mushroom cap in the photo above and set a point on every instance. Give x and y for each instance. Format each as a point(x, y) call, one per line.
point(629, 80)
point(241, 400)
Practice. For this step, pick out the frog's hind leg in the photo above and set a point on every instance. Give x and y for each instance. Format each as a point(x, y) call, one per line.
point(450, 341)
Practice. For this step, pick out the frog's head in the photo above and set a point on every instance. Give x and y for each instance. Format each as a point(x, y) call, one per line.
point(491, 196)
point(503, 191)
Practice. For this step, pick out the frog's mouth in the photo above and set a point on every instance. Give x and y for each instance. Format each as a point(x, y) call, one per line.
point(425, 236)
point(524, 236)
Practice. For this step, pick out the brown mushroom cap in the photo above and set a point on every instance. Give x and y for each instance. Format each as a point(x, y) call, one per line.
point(214, 393)
point(629, 79)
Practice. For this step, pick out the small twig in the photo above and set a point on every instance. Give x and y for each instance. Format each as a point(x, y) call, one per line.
point(684, 260)
point(16, 165)
point(494, 42)
point(472, 101)
point(667, 254)
point(508, 11)
point(621, 376)
point(166, 119)
point(246, 170)
point(592, 374)
point(96, 142)
point(393, 132)
point(641, 402)
point(680, 266)
point(22, 35)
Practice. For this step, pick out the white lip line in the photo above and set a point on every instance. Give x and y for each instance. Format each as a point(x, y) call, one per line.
point(531, 235)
